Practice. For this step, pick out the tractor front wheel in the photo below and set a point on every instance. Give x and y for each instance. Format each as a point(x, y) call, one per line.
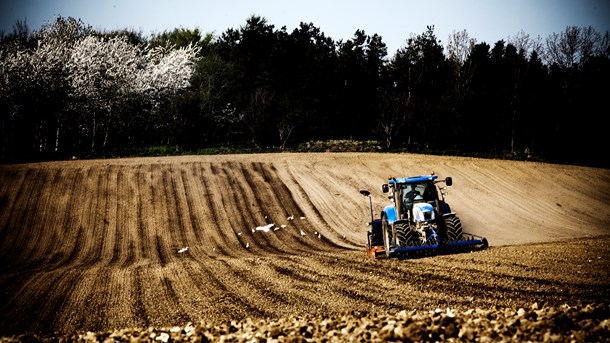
point(406, 237)
point(454, 229)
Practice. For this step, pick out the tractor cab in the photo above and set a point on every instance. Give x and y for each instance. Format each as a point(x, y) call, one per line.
point(417, 192)
point(407, 193)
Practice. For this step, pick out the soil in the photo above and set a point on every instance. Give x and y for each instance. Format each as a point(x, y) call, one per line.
point(214, 242)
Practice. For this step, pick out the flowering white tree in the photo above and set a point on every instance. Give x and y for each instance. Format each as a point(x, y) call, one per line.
point(70, 81)
point(14, 79)
point(166, 70)
point(102, 72)
point(49, 61)
point(105, 72)
point(33, 85)
point(15, 74)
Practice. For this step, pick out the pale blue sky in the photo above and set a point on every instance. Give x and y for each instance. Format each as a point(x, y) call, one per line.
point(485, 20)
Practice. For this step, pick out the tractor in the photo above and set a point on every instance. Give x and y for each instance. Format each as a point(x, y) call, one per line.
point(418, 222)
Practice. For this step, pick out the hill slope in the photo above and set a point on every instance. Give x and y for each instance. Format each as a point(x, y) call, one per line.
point(96, 245)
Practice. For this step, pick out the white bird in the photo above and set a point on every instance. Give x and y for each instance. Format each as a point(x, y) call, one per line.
point(290, 218)
point(302, 233)
point(265, 228)
point(247, 245)
point(183, 250)
point(302, 218)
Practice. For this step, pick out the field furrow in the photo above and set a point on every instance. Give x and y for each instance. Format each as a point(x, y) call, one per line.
point(103, 244)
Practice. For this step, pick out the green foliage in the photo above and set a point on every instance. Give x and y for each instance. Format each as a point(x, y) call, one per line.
point(181, 38)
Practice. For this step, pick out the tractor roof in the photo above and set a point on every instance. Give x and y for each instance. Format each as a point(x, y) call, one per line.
point(413, 179)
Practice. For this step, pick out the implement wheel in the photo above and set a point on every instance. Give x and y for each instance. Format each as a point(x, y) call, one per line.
point(387, 236)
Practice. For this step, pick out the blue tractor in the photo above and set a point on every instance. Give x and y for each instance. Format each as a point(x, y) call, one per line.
point(419, 222)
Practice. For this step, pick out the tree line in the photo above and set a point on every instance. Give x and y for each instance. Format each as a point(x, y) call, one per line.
point(68, 90)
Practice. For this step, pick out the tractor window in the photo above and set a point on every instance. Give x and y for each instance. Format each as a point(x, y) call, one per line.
point(413, 189)
point(413, 192)
point(430, 194)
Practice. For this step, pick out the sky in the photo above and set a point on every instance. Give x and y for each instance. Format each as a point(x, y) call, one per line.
point(394, 20)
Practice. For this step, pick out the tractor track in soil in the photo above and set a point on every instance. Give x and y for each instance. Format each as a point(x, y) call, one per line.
point(94, 245)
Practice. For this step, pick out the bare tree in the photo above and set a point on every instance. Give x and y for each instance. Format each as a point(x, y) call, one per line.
point(590, 43)
point(289, 115)
point(563, 48)
point(604, 45)
point(575, 46)
point(525, 44)
point(285, 127)
point(459, 46)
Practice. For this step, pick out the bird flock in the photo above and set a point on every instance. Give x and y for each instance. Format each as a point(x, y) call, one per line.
point(265, 228)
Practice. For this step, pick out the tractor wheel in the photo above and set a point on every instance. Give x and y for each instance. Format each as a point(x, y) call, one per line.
point(387, 235)
point(454, 229)
point(406, 237)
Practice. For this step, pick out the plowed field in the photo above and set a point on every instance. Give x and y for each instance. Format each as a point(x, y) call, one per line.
point(105, 244)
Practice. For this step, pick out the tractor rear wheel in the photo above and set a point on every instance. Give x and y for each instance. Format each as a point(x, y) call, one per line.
point(406, 237)
point(454, 229)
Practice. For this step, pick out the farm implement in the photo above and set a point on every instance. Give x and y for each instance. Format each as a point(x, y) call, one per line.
point(418, 222)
